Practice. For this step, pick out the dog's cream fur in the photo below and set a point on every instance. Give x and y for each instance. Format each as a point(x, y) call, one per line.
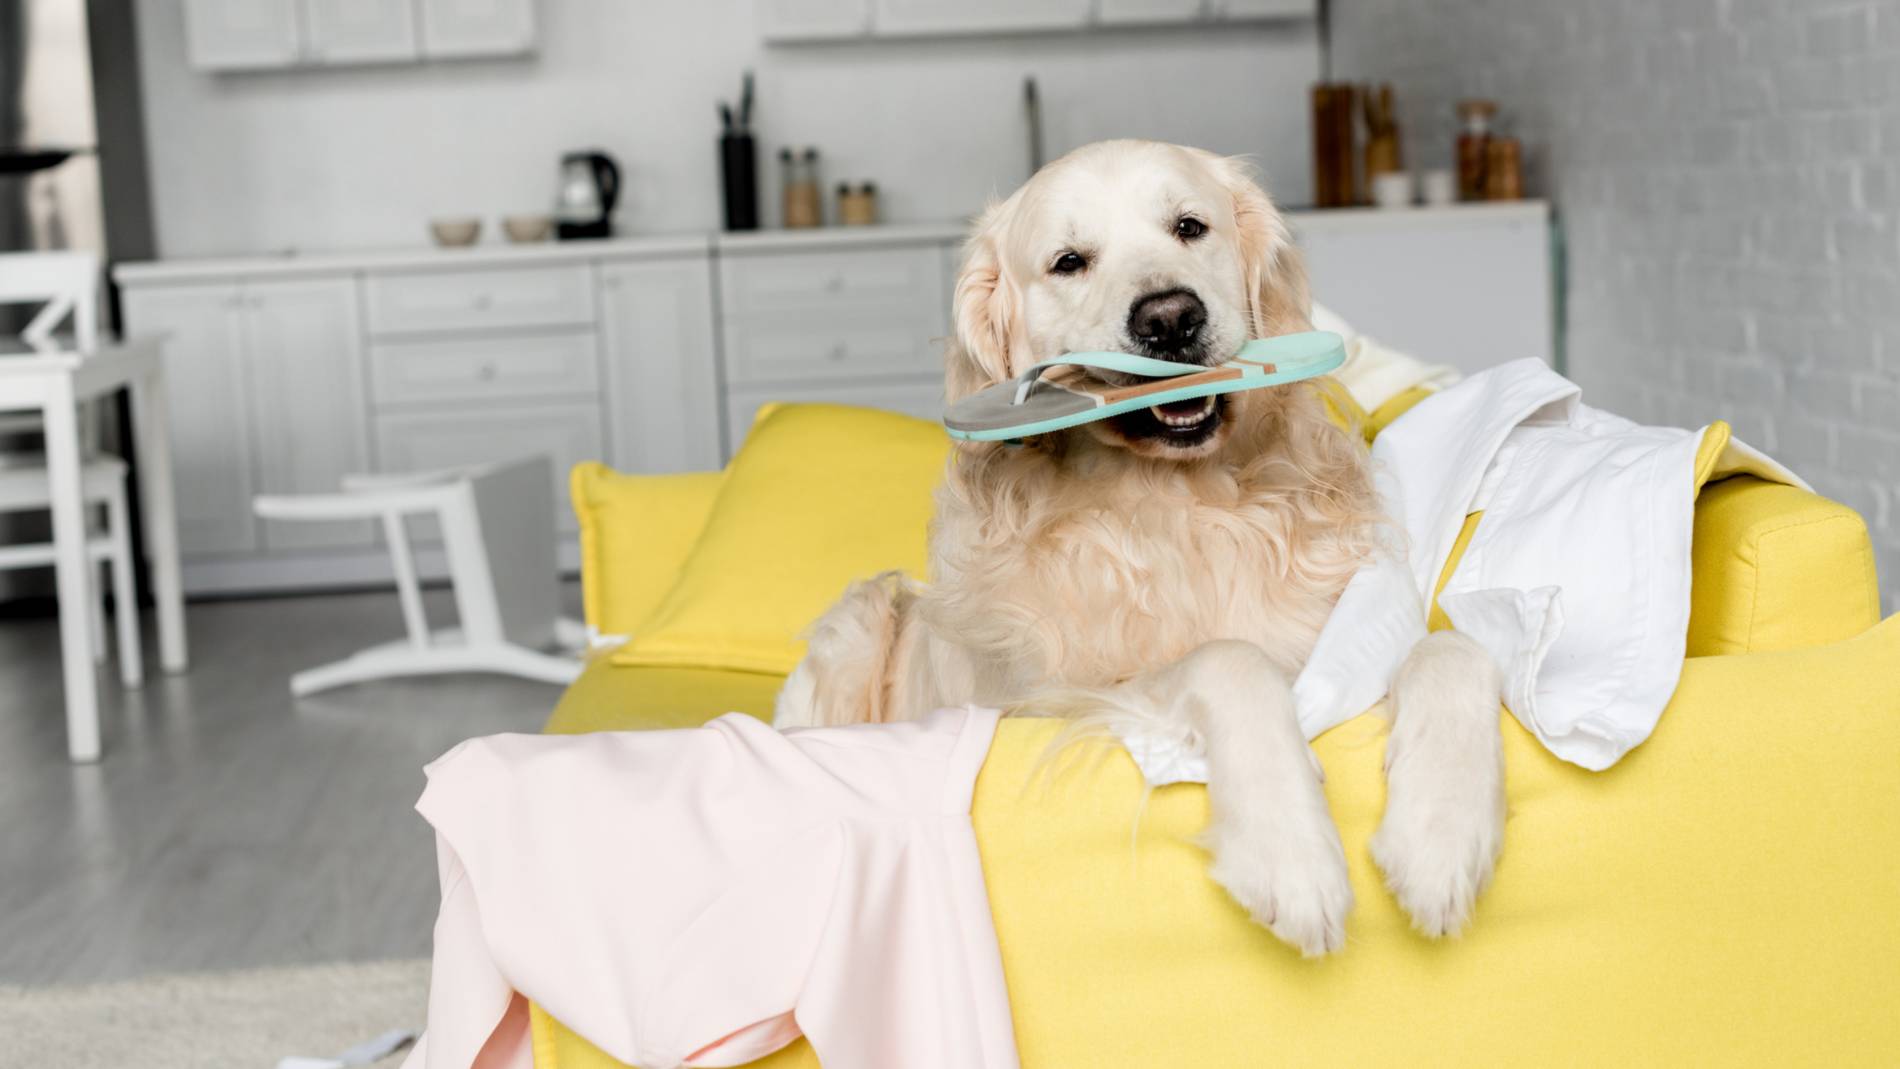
point(1110, 575)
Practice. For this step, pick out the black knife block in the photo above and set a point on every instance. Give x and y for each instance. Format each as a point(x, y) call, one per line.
point(739, 171)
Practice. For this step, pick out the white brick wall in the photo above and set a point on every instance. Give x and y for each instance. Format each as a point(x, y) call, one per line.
point(1727, 176)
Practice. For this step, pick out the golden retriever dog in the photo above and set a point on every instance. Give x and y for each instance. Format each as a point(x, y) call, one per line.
point(1171, 566)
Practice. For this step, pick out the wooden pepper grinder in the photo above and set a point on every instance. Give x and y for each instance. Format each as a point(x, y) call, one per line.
point(1383, 153)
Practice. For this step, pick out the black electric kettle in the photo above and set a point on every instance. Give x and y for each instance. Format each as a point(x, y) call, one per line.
point(590, 184)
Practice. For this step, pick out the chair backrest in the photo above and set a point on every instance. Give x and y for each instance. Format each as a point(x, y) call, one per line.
point(514, 509)
point(66, 283)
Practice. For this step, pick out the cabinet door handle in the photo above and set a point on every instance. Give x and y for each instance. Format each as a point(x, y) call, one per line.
point(840, 351)
point(487, 372)
point(834, 284)
point(483, 302)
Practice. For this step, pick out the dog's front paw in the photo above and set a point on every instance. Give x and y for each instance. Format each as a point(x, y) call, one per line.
point(1439, 841)
point(1293, 881)
point(1444, 798)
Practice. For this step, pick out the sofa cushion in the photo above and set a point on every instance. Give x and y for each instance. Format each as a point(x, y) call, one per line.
point(818, 496)
point(636, 533)
point(1777, 568)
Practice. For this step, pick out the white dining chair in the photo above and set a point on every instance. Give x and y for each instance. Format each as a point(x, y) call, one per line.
point(499, 540)
point(66, 286)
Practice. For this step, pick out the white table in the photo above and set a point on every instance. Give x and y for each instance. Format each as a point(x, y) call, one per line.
point(55, 382)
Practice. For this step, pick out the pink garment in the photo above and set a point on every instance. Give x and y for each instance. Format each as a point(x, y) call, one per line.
point(702, 897)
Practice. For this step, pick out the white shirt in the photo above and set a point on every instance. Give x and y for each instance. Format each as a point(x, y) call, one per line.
point(1576, 581)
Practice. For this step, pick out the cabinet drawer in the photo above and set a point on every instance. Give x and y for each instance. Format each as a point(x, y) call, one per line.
point(922, 398)
point(479, 299)
point(472, 369)
point(829, 283)
point(565, 434)
point(795, 350)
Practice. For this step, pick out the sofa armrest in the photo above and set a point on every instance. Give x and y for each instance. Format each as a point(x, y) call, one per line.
point(636, 532)
point(1777, 568)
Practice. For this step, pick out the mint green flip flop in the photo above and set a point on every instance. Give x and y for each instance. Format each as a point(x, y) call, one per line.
point(1031, 404)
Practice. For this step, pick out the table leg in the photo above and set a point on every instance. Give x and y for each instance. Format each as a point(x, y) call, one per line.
point(151, 424)
point(74, 570)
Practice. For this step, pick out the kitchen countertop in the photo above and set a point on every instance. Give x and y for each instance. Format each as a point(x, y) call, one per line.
point(498, 254)
point(1338, 220)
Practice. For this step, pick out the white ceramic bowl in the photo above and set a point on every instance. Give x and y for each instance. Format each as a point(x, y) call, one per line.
point(1393, 189)
point(454, 232)
point(525, 229)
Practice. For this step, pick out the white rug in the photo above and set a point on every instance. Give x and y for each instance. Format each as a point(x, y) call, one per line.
point(240, 1020)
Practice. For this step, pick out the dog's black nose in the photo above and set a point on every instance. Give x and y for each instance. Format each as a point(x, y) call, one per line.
point(1167, 324)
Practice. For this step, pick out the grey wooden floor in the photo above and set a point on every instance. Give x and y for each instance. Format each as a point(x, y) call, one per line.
point(229, 825)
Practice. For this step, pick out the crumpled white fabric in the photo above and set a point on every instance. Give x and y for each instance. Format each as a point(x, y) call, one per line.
point(1374, 372)
point(1576, 582)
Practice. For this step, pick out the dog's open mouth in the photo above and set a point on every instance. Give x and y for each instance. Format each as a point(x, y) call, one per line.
point(1178, 423)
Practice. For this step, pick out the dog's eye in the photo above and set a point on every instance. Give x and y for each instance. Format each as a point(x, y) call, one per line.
point(1068, 263)
point(1187, 228)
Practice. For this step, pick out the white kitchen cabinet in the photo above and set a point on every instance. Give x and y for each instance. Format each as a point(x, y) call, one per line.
point(843, 325)
point(1148, 12)
point(907, 17)
point(487, 298)
point(304, 348)
point(264, 380)
point(1236, 10)
point(455, 28)
point(919, 396)
point(791, 21)
point(359, 31)
point(240, 35)
point(243, 34)
point(809, 20)
point(651, 354)
point(831, 282)
point(798, 349)
point(800, 317)
point(502, 369)
point(209, 399)
point(662, 370)
point(1467, 285)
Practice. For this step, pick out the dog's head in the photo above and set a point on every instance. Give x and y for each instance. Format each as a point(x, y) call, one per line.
point(1130, 246)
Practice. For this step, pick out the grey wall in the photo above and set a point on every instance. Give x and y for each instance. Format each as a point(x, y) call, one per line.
point(354, 158)
point(1727, 175)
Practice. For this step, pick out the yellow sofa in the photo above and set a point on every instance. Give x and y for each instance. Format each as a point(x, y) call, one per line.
point(1727, 895)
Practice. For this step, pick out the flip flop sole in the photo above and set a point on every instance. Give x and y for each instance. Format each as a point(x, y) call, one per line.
point(994, 415)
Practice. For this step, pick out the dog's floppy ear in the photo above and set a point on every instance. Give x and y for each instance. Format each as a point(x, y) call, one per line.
point(985, 312)
point(1275, 274)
